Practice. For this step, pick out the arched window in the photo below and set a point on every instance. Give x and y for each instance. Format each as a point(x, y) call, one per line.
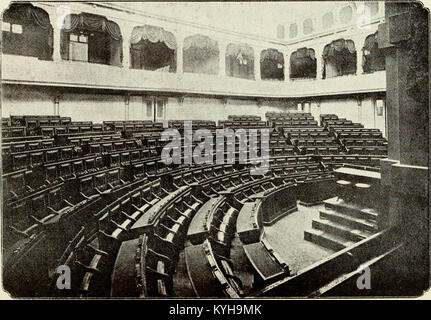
point(26, 31)
point(373, 57)
point(201, 55)
point(91, 38)
point(240, 61)
point(293, 30)
point(327, 20)
point(153, 48)
point(303, 64)
point(307, 26)
point(346, 14)
point(280, 31)
point(339, 58)
point(271, 65)
point(372, 6)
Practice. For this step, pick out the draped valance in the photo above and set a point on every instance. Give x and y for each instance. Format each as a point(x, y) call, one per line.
point(201, 42)
point(240, 61)
point(303, 64)
point(373, 58)
point(272, 54)
point(236, 49)
point(91, 22)
point(302, 53)
point(36, 39)
point(338, 46)
point(201, 55)
point(370, 42)
point(27, 12)
point(153, 34)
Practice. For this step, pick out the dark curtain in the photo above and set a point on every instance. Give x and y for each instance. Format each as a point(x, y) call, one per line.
point(36, 39)
point(106, 34)
point(271, 65)
point(240, 61)
point(303, 64)
point(201, 55)
point(342, 55)
point(373, 57)
point(152, 56)
point(153, 48)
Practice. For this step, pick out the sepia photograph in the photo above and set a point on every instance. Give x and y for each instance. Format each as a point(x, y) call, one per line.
point(216, 150)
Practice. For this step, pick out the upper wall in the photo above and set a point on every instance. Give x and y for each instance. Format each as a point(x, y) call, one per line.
point(125, 73)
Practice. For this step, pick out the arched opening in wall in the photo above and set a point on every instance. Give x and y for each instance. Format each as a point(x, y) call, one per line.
point(372, 7)
point(339, 58)
point(201, 55)
point(240, 61)
point(328, 20)
point(91, 38)
point(346, 15)
point(153, 48)
point(293, 30)
point(303, 64)
point(27, 31)
point(307, 26)
point(271, 65)
point(373, 57)
point(280, 31)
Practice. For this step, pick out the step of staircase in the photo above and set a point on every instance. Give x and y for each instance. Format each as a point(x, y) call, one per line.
point(348, 221)
point(351, 209)
point(326, 240)
point(334, 228)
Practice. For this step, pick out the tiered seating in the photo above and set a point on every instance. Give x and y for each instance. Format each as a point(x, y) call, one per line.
point(243, 122)
point(211, 272)
point(84, 138)
point(281, 117)
point(33, 158)
point(212, 231)
point(243, 118)
point(304, 135)
point(354, 138)
point(136, 218)
point(66, 155)
point(29, 214)
point(146, 130)
point(164, 224)
point(196, 124)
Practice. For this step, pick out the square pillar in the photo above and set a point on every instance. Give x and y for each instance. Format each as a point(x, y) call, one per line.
point(287, 65)
point(222, 57)
point(318, 53)
point(180, 42)
point(126, 33)
point(257, 52)
point(56, 16)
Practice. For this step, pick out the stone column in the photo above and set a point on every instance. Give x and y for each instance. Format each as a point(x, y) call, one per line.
point(257, 51)
point(222, 56)
point(180, 42)
point(359, 44)
point(318, 53)
point(287, 54)
point(56, 16)
point(126, 32)
point(405, 172)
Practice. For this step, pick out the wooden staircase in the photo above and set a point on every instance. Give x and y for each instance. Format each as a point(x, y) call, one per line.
point(341, 224)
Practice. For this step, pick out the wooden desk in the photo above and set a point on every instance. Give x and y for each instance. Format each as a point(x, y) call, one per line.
point(358, 175)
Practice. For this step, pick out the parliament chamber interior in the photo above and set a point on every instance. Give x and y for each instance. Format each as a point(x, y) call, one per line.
point(91, 209)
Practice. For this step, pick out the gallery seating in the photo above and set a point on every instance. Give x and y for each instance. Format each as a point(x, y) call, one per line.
point(137, 209)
